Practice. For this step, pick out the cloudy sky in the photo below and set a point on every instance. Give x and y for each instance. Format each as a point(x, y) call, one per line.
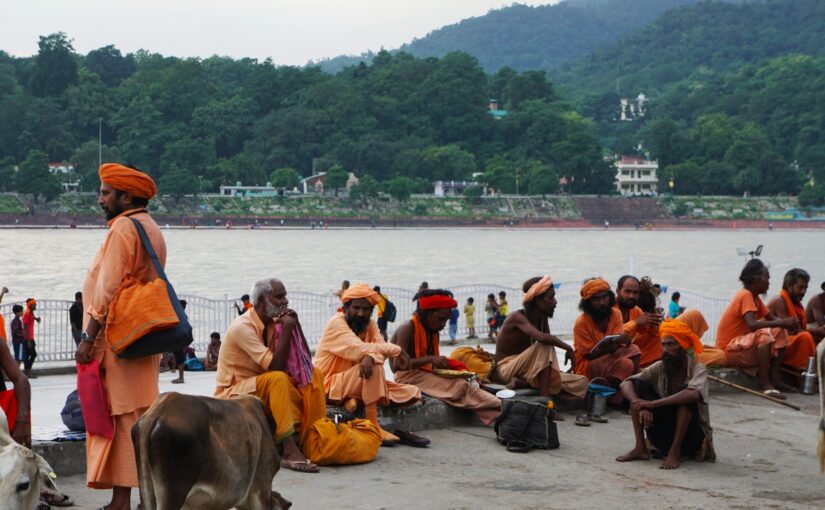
point(289, 31)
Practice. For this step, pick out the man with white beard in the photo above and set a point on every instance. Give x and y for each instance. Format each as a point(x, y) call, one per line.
point(265, 354)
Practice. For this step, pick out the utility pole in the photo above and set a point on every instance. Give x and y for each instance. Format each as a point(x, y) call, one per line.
point(100, 142)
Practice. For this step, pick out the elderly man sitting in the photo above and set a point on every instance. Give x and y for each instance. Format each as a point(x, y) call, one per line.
point(351, 356)
point(669, 401)
point(526, 351)
point(264, 353)
point(419, 339)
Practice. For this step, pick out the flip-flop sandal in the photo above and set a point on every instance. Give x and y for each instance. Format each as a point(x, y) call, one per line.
point(597, 418)
point(583, 420)
point(772, 392)
point(301, 466)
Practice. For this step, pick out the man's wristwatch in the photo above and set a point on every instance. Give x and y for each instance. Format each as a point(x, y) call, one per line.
point(84, 337)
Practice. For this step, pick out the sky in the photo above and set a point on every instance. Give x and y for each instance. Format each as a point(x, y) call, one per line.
point(291, 32)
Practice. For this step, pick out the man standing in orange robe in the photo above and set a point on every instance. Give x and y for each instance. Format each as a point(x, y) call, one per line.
point(131, 385)
point(351, 355)
point(802, 345)
point(614, 361)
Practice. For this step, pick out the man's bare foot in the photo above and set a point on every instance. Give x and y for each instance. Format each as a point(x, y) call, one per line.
point(634, 454)
point(671, 462)
point(351, 405)
point(516, 383)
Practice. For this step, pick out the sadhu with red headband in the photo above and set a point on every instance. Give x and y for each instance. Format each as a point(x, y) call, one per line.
point(526, 351)
point(669, 401)
point(419, 339)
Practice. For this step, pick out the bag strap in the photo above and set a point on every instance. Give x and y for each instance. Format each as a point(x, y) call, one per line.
point(144, 239)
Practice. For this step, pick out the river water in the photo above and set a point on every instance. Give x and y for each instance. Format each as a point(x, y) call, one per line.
point(215, 263)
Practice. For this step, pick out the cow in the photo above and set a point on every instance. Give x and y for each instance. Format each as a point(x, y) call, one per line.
point(203, 453)
point(22, 473)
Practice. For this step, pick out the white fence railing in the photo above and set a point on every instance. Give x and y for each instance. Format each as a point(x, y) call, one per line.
point(54, 339)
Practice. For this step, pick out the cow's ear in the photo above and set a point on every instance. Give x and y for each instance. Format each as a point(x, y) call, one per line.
point(47, 474)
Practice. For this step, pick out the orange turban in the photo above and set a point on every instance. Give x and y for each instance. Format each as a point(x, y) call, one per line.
point(30, 302)
point(695, 321)
point(360, 291)
point(128, 179)
point(594, 286)
point(682, 333)
point(537, 289)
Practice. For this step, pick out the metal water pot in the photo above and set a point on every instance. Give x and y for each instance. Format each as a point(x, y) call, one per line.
point(809, 378)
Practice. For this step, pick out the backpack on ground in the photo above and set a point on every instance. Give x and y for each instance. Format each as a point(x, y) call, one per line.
point(524, 425)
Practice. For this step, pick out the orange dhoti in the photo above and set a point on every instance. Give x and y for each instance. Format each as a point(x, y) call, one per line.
point(375, 390)
point(800, 347)
point(293, 409)
point(454, 392)
point(741, 352)
point(532, 361)
point(131, 386)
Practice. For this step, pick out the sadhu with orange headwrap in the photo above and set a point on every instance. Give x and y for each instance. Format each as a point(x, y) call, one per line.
point(351, 355)
point(526, 351)
point(802, 344)
point(669, 401)
point(131, 385)
point(419, 339)
point(615, 360)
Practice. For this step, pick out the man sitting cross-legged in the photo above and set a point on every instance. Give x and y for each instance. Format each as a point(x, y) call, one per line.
point(802, 345)
point(419, 339)
point(613, 361)
point(669, 401)
point(264, 353)
point(526, 351)
point(351, 356)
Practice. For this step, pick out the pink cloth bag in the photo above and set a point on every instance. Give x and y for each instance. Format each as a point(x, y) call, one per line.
point(96, 413)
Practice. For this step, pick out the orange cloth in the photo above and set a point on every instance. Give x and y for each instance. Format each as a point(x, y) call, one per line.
point(645, 337)
point(710, 356)
point(537, 289)
point(423, 341)
point(528, 364)
point(742, 351)
point(293, 409)
point(458, 393)
point(360, 291)
point(801, 346)
point(682, 333)
point(593, 286)
point(29, 303)
point(247, 306)
point(3, 329)
point(243, 357)
point(732, 324)
point(127, 179)
point(339, 355)
point(131, 385)
point(586, 335)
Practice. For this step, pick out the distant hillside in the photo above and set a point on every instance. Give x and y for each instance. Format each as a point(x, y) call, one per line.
point(527, 38)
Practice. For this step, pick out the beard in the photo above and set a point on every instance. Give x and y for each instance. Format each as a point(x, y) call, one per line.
point(273, 310)
point(357, 324)
point(626, 303)
point(673, 364)
point(600, 314)
point(113, 213)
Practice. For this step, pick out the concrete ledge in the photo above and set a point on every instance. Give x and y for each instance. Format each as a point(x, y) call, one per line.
point(733, 375)
point(65, 457)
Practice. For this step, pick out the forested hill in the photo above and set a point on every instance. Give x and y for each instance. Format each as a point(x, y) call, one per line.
point(524, 37)
point(695, 42)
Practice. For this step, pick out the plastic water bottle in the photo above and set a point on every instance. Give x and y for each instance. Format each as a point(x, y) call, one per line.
point(809, 378)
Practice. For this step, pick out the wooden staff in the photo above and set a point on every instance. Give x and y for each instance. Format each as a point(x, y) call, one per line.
point(753, 392)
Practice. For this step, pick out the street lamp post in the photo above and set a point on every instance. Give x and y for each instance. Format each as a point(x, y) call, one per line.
point(100, 142)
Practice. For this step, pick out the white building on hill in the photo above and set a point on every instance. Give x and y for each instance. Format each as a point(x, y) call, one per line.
point(636, 176)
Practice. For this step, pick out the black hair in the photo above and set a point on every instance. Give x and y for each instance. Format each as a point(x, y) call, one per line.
point(245, 297)
point(78, 295)
point(623, 279)
point(526, 287)
point(138, 201)
point(491, 295)
point(377, 288)
point(794, 275)
point(675, 296)
point(752, 272)
point(471, 300)
point(16, 308)
point(502, 293)
point(214, 334)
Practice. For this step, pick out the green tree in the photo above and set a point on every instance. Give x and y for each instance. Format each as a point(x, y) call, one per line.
point(366, 187)
point(473, 193)
point(85, 163)
point(54, 66)
point(178, 182)
point(6, 174)
point(688, 178)
point(336, 178)
point(541, 179)
point(812, 195)
point(285, 178)
point(400, 188)
point(108, 63)
point(35, 178)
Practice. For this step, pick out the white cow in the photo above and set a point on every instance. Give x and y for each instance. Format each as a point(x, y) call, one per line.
point(22, 472)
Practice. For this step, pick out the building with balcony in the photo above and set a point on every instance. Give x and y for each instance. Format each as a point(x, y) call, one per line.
point(636, 176)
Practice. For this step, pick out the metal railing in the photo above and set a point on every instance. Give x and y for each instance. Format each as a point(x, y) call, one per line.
point(55, 343)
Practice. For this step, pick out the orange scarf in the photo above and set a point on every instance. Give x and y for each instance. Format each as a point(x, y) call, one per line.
point(793, 309)
point(422, 339)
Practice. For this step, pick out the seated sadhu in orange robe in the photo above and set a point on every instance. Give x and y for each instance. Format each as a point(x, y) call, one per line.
point(351, 355)
point(264, 353)
point(641, 327)
point(526, 351)
point(419, 339)
point(815, 315)
point(615, 361)
point(802, 345)
point(752, 338)
point(131, 385)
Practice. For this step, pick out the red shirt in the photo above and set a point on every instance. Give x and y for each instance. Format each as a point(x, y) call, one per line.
point(28, 326)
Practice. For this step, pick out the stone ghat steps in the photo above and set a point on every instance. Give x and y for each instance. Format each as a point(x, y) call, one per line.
point(620, 209)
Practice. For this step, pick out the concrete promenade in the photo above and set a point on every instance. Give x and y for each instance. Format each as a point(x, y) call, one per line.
point(766, 459)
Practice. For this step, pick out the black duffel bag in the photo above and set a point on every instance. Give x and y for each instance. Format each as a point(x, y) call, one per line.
point(522, 426)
